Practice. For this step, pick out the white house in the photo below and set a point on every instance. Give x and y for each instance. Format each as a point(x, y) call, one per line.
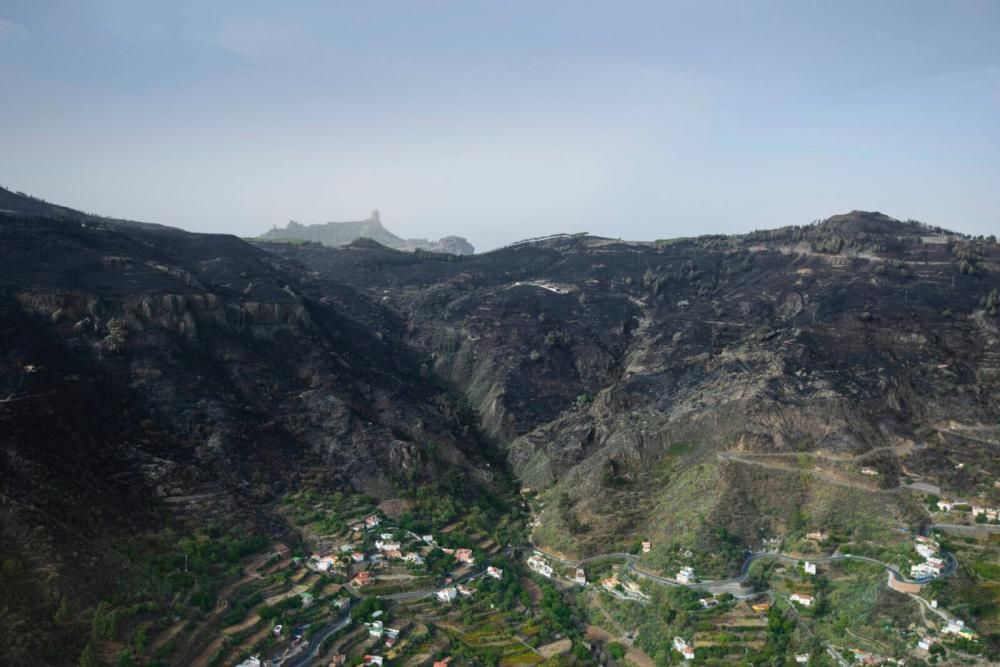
point(447, 594)
point(386, 546)
point(375, 629)
point(802, 599)
point(922, 570)
point(538, 564)
point(684, 648)
point(686, 575)
point(580, 577)
point(802, 658)
point(945, 505)
point(326, 563)
point(371, 522)
point(707, 603)
point(414, 557)
point(429, 539)
point(953, 627)
point(646, 546)
point(494, 572)
point(809, 567)
point(252, 661)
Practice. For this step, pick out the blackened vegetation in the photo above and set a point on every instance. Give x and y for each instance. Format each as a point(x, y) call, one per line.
point(157, 384)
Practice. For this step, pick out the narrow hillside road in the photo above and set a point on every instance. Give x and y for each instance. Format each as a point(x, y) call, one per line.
point(725, 585)
point(729, 456)
point(416, 595)
point(316, 643)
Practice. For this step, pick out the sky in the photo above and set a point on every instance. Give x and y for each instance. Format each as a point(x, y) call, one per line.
point(501, 120)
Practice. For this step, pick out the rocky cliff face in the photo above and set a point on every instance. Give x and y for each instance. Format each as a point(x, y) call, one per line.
point(343, 233)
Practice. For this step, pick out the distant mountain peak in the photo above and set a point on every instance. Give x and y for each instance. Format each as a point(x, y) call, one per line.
point(343, 233)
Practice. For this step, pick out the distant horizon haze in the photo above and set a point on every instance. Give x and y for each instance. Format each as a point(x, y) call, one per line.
point(504, 121)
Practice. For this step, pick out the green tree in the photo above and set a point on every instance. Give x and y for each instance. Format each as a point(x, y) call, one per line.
point(89, 657)
point(62, 612)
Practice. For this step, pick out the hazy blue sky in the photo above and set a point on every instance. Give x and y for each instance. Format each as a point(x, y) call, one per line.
point(501, 120)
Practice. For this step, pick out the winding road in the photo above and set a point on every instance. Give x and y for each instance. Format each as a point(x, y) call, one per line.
point(317, 642)
point(721, 585)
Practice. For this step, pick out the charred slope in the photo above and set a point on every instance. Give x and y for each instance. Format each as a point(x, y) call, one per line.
point(155, 378)
point(623, 376)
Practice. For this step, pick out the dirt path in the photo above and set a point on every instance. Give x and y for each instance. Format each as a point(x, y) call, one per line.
point(729, 456)
point(639, 657)
point(167, 635)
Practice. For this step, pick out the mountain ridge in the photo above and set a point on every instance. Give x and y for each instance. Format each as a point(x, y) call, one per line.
point(702, 393)
point(343, 233)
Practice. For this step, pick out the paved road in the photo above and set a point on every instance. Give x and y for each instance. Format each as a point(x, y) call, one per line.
point(630, 560)
point(975, 528)
point(416, 595)
point(316, 643)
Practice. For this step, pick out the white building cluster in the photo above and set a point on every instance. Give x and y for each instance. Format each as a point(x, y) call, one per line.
point(933, 564)
point(539, 565)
